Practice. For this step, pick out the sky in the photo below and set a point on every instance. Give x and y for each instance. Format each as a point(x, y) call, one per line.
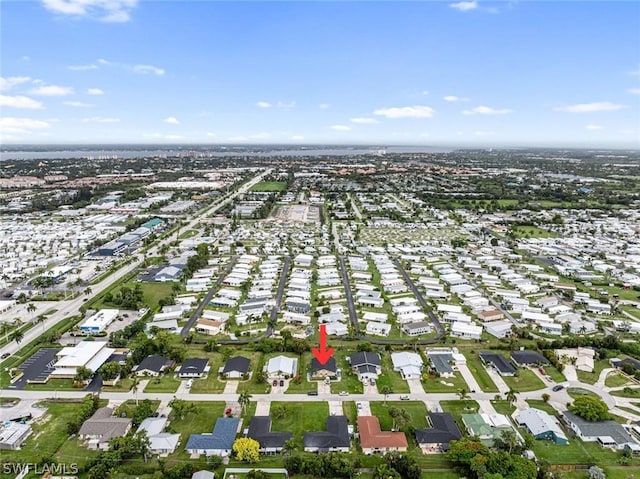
point(474, 72)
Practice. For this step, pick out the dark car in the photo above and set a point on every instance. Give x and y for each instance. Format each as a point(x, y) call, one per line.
point(557, 387)
point(5, 356)
point(282, 382)
point(275, 382)
point(312, 393)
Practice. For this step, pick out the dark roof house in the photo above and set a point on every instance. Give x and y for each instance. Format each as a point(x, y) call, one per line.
point(443, 430)
point(335, 438)
point(219, 442)
point(528, 358)
point(330, 366)
point(193, 367)
point(260, 430)
point(154, 364)
point(237, 364)
point(499, 362)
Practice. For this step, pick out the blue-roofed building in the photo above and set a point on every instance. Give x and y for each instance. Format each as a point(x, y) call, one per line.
point(152, 224)
point(217, 443)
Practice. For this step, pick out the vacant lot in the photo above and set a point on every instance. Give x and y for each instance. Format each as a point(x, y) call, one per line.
point(269, 186)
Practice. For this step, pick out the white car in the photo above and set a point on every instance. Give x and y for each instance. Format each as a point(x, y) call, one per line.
point(343, 393)
point(404, 397)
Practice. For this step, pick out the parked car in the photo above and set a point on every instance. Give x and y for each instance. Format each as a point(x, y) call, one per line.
point(282, 382)
point(5, 356)
point(189, 383)
point(343, 393)
point(549, 378)
point(359, 405)
point(275, 382)
point(404, 397)
point(557, 387)
point(312, 393)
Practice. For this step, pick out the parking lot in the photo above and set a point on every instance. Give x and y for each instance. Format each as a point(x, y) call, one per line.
point(37, 368)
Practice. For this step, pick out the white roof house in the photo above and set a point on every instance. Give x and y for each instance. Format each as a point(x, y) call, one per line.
point(378, 329)
point(162, 443)
point(409, 364)
point(90, 354)
point(540, 423)
point(499, 329)
point(281, 365)
point(99, 321)
point(465, 330)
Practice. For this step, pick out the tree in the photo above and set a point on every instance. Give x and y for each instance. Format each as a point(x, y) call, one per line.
point(508, 441)
point(244, 399)
point(595, 472)
point(545, 397)
point(31, 308)
point(143, 411)
point(384, 471)
point(110, 371)
point(462, 452)
point(246, 449)
point(82, 374)
point(181, 407)
point(386, 390)
point(257, 474)
point(510, 395)
point(590, 408)
point(134, 387)
point(400, 417)
point(16, 335)
point(40, 320)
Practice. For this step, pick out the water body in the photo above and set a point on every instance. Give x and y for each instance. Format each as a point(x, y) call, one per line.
point(44, 152)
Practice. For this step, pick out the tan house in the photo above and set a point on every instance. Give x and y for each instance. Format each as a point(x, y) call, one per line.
point(373, 440)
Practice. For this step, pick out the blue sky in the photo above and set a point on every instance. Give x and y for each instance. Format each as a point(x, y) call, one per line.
point(527, 73)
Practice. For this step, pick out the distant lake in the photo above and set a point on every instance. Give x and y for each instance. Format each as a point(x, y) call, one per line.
point(43, 152)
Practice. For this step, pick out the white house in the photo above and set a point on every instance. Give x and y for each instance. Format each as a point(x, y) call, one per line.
point(466, 331)
point(408, 364)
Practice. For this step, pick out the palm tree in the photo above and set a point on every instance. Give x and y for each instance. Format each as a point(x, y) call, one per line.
point(244, 400)
point(511, 395)
point(40, 319)
point(16, 336)
point(386, 390)
point(134, 387)
point(464, 394)
point(31, 308)
point(87, 291)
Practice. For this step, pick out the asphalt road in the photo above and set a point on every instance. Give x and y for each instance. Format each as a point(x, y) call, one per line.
point(353, 315)
point(286, 268)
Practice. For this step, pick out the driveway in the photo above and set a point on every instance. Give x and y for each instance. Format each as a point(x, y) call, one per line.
point(570, 373)
point(20, 410)
point(497, 379)
point(365, 408)
point(263, 408)
point(335, 408)
point(415, 386)
point(468, 377)
point(231, 387)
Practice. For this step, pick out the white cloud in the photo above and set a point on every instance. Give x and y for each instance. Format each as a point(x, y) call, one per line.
point(20, 101)
point(10, 82)
point(593, 127)
point(144, 69)
point(591, 107)
point(323, 106)
point(416, 111)
point(363, 121)
point(95, 91)
point(20, 125)
point(172, 120)
point(634, 91)
point(465, 6)
point(102, 10)
point(80, 68)
point(286, 105)
point(297, 138)
point(52, 90)
point(486, 110)
point(340, 127)
point(264, 104)
point(454, 99)
point(100, 119)
point(78, 104)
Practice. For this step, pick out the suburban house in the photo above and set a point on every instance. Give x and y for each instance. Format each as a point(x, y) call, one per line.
point(606, 433)
point(373, 440)
point(217, 443)
point(436, 438)
point(366, 365)
point(441, 362)
point(154, 365)
point(236, 367)
point(334, 439)
point(211, 327)
point(487, 427)
point(541, 425)
point(13, 434)
point(281, 366)
point(528, 358)
point(583, 357)
point(99, 429)
point(161, 443)
point(378, 329)
point(323, 371)
point(270, 442)
point(466, 331)
point(498, 362)
point(194, 368)
point(416, 329)
point(408, 364)
point(622, 363)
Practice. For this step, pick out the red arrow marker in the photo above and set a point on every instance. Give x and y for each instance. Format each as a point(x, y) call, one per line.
point(323, 354)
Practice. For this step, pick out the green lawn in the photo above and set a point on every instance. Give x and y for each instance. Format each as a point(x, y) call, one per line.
point(391, 378)
point(503, 407)
point(531, 232)
point(416, 409)
point(445, 385)
point(301, 418)
point(576, 452)
point(54, 385)
point(458, 408)
point(627, 392)
point(615, 379)
point(526, 380)
point(474, 363)
point(543, 406)
point(591, 378)
point(162, 384)
point(577, 392)
point(556, 375)
point(349, 381)
point(302, 386)
point(269, 186)
point(123, 385)
point(152, 294)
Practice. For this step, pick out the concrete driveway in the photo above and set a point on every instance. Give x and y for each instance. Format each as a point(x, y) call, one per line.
point(468, 377)
point(364, 409)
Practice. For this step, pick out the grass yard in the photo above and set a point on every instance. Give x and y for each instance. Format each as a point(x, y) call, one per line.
point(591, 378)
point(458, 408)
point(152, 293)
point(615, 379)
point(349, 381)
point(303, 386)
point(578, 392)
point(122, 386)
point(391, 378)
point(627, 392)
point(474, 363)
point(416, 409)
point(531, 232)
point(556, 375)
point(54, 385)
point(445, 385)
point(269, 186)
point(503, 407)
point(543, 406)
point(301, 418)
point(526, 380)
point(576, 452)
point(162, 384)
point(48, 436)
